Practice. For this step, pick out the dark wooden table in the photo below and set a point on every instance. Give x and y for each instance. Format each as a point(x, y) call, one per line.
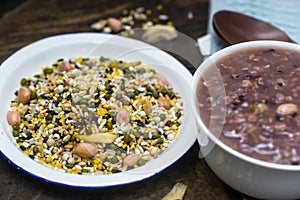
point(23, 22)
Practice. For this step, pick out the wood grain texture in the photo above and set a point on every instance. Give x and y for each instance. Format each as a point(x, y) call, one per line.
point(33, 20)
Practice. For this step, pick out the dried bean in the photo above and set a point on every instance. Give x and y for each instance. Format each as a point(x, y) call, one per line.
point(164, 102)
point(85, 150)
point(114, 24)
point(123, 117)
point(13, 118)
point(24, 95)
point(131, 160)
point(65, 66)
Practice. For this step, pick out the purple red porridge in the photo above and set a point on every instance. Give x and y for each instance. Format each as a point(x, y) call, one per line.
point(262, 103)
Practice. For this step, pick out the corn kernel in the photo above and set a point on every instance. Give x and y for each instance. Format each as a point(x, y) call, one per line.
point(79, 59)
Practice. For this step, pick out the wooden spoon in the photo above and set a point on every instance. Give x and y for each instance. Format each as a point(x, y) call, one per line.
point(235, 27)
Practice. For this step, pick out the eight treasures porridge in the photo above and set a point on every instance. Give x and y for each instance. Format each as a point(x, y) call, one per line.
point(262, 103)
point(95, 115)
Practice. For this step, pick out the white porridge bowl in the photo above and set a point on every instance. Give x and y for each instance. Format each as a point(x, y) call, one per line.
point(256, 178)
point(28, 61)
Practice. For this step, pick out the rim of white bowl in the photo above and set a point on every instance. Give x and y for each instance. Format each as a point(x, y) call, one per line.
point(16, 157)
point(217, 56)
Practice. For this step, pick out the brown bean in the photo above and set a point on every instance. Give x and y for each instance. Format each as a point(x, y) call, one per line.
point(24, 95)
point(65, 66)
point(114, 24)
point(85, 150)
point(131, 160)
point(123, 117)
point(164, 102)
point(287, 109)
point(13, 118)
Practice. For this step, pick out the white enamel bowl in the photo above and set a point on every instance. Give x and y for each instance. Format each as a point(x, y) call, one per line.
point(28, 61)
point(248, 175)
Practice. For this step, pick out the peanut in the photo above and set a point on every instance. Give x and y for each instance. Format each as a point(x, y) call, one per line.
point(24, 95)
point(163, 101)
point(131, 160)
point(123, 117)
point(85, 150)
point(65, 66)
point(13, 118)
point(114, 24)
